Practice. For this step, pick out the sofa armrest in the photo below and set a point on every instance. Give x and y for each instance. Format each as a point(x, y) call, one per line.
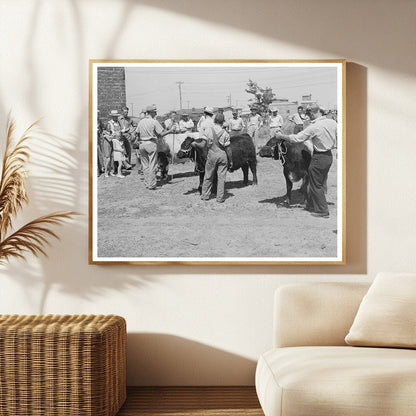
point(309, 314)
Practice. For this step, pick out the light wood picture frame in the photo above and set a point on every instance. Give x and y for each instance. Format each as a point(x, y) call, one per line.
point(261, 223)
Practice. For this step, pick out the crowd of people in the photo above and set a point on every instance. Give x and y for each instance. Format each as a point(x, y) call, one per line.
point(121, 137)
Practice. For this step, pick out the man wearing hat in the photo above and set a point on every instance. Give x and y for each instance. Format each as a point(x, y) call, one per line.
point(235, 124)
point(323, 133)
point(148, 130)
point(207, 122)
point(276, 121)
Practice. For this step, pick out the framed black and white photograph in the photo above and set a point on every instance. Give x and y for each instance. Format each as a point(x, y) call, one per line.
point(217, 162)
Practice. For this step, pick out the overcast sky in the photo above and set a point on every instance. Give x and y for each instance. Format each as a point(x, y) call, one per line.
point(212, 86)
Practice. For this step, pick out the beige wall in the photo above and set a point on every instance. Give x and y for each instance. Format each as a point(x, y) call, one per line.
point(204, 325)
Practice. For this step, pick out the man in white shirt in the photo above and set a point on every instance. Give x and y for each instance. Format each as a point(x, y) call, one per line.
point(235, 124)
point(253, 125)
point(323, 133)
point(276, 121)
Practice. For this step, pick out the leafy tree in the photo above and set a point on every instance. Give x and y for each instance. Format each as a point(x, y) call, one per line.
point(262, 97)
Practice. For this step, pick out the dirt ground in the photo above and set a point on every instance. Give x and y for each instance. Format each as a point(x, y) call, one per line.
point(173, 221)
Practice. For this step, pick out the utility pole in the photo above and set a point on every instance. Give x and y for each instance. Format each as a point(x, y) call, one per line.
point(188, 105)
point(180, 93)
point(229, 99)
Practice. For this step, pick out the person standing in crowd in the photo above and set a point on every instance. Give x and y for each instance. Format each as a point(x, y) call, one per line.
point(170, 122)
point(185, 124)
point(200, 121)
point(148, 130)
point(127, 132)
point(299, 118)
point(235, 124)
point(113, 124)
point(207, 122)
point(276, 121)
point(118, 152)
point(323, 133)
point(100, 158)
point(219, 158)
point(253, 125)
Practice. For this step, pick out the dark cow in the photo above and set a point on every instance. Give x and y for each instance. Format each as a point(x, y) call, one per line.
point(243, 154)
point(295, 158)
point(164, 157)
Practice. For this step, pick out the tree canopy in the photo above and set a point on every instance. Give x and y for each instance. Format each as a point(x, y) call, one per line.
point(262, 97)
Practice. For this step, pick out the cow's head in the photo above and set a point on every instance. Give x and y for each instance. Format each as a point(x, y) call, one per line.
point(268, 149)
point(186, 148)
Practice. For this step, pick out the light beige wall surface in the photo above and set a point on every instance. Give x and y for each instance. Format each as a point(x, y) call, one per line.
point(204, 325)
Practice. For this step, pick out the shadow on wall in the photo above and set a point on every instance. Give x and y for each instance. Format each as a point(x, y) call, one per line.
point(57, 184)
point(339, 28)
point(161, 359)
point(53, 188)
point(63, 187)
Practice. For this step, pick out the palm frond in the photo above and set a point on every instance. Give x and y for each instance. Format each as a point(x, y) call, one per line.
point(12, 184)
point(33, 237)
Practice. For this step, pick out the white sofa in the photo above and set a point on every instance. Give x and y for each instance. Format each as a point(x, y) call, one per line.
point(311, 371)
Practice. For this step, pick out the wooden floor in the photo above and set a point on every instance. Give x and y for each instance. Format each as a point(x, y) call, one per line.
point(191, 401)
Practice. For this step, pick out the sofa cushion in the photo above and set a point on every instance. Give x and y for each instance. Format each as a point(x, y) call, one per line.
point(387, 314)
point(304, 381)
point(315, 314)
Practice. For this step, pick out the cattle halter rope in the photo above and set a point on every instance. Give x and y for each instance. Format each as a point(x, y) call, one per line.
point(281, 152)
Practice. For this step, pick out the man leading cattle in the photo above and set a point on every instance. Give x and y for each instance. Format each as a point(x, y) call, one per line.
point(219, 158)
point(323, 133)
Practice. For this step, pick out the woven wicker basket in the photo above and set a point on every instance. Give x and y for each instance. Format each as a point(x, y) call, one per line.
point(52, 365)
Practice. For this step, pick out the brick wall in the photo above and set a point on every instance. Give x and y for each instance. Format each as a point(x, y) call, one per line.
point(111, 90)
